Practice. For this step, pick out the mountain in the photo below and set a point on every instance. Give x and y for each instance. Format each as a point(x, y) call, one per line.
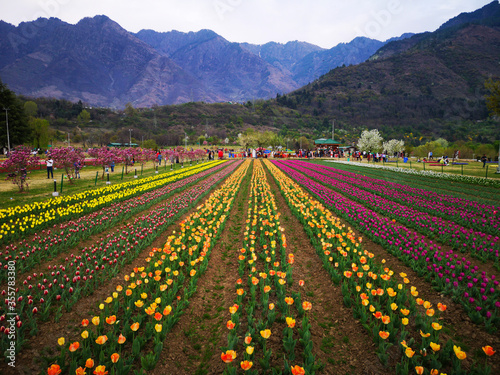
point(434, 84)
point(95, 61)
point(227, 68)
point(283, 56)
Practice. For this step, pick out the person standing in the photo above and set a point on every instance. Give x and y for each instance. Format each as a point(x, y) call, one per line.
point(484, 159)
point(50, 167)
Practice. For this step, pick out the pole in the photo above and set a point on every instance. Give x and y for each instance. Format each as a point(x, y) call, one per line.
point(333, 130)
point(123, 168)
point(487, 171)
point(462, 169)
point(62, 180)
point(68, 141)
point(498, 168)
point(7, 123)
point(96, 175)
point(141, 169)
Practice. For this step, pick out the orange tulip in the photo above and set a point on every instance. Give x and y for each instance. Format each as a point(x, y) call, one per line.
point(101, 340)
point(85, 322)
point(434, 372)
point(435, 347)
point(158, 316)
point(290, 322)
point(419, 370)
point(348, 274)
point(96, 320)
point(134, 327)
point(246, 365)
point(100, 370)
point(248, 340)
point(89, 363)
point(306, 305)
point(430, 312)
point(230, 324)
point(265, 333)
point(54, 370)
point(488, 350)
point(167, 310)
point(386, 319)
point(111, 319)
point(289, 300)
point(297, 370)
point(409, 352)
point(441, 307)
point(80, 371)
point(233, 309)
point(271, 306)
point(121, 339)
point(459, 353)
point(424, 334)
point(383, 334)
point(301, 283)
point(436, 326)
point(228, 356)
point(377, 315)
point(73, 347)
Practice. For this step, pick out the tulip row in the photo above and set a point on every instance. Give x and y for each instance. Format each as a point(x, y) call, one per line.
point(482, 245)
point(464, 211)
point(485, 195)
point(51, 242)
point(264, 304)
point(130, 329)
point(22, 220)
point(448, 272)
point(390, 310)
point(80, 274)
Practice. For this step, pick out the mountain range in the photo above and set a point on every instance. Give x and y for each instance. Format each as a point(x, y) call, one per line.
point(102, 64)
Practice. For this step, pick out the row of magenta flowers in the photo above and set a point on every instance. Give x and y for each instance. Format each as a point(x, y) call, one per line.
point(139, 313)
point(18, 221)
point(448, 271)
point(467, 212)
point(49, 243)
point(265, 309)
point(389, 309)
point(481, 245)
point(44, 295)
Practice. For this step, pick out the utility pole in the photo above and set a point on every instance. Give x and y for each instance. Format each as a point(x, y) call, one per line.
point(7, 123)
point(68, 141)
point(498, 168)
point(130, 138)
point(185, 141)
point(333, 129)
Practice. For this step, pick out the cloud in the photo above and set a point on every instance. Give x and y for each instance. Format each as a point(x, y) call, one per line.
point(322, 22)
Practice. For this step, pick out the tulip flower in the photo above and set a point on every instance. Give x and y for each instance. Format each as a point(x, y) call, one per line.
point(101, 340)
point(85, 334)
point(383, 334)
point(74, 346)
point(488, 350)
point(228, 356)
point(459, 353)
point(297, 370)
point(306, 305)
point(89, 363)
point(230, 324)
point(424, 334)
point(96, 320)
point(404, 321)
point(111, 319)
point(419, 370)
point(249, 350)
point(386, 319)
point(246, 365)
point(167, 310)
point(265, 333)
point(121, 339)
point(409, 352)
point(54, 370)
point(100, 370)
point(301, 283)
point(134, 327)
point(248, 340)
point(435, 347)
point(289, 300)
point(158, 328)
point(85, 322)
point(80, 371)
point(290, 321)
point(115, 357)
point(271, 306)
point(61, 341)
point(436, 326)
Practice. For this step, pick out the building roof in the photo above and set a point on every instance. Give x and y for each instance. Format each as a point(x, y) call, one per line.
point(325, 141)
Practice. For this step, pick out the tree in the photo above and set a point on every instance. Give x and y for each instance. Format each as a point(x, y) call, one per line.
point(150, 143)
point(19, 131)
point(493, 100)
point(104, 157)
point(17, 165)
point(370, 141)
point(83, 117)
point(393, 146)
point(39, 132)
point(30, 108)
point(67, 157)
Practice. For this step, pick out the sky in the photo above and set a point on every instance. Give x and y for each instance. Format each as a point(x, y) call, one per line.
point(322, 22)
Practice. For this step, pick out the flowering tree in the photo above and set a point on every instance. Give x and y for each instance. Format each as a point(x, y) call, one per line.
point(104, 157)
point(66, 157)
point(17, 165)
point(370, 141)
point(393, 146)
point(129, 156)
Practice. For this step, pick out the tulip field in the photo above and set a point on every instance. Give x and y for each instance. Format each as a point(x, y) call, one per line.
point(254, 266)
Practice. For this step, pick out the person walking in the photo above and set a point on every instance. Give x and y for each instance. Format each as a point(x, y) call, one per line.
point(50, 167)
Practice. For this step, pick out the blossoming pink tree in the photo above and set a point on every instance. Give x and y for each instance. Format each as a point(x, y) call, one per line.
point(104, 157)
point(67, 157)
point(17, 165)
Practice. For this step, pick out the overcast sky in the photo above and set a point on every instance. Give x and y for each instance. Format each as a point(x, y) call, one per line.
point(322, 22)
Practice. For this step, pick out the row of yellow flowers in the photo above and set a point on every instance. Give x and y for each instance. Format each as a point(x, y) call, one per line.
point(265, 309)
point(28, 217)
point(391, 310)
point(139, 313)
